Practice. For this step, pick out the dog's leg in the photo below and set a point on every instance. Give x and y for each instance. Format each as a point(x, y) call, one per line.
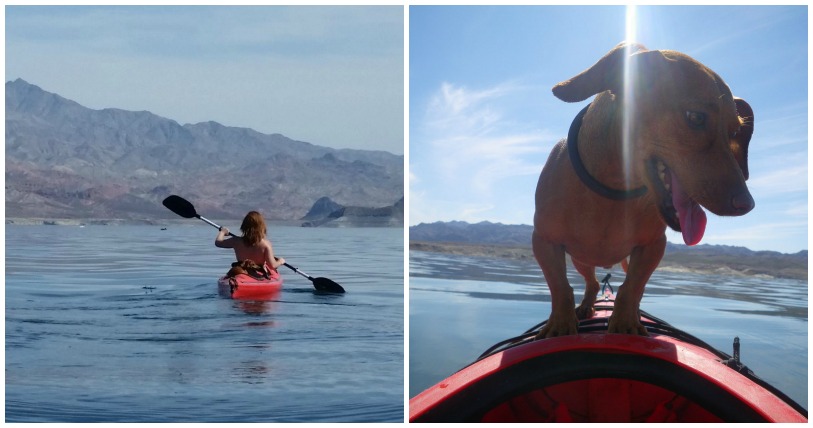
point(591, 288)
point(551, 258)
point(643, 261)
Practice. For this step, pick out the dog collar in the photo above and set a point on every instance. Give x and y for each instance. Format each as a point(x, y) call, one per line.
point(581, 171)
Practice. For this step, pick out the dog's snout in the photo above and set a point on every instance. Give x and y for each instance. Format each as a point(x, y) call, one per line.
point(742, 203)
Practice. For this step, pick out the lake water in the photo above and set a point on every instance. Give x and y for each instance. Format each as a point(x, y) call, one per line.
point(124, 324)
point(460, 306)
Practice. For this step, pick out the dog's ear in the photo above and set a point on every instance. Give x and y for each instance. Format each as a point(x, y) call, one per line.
point(739, 141)
point(606, 74)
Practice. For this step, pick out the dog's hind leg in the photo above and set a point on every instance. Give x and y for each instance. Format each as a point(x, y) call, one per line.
point(591, 288)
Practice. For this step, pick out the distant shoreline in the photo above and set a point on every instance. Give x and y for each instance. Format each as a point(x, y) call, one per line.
point(231, 223)
point(107, 221)
point(81, 222)
point(752, 265)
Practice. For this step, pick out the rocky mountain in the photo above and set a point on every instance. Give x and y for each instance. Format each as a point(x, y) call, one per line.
point(514, 241)
point(479, 233)
point(326, 213)
point(64, 160)
point(321, 209)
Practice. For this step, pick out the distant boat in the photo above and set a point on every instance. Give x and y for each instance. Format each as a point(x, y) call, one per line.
point(163, 228)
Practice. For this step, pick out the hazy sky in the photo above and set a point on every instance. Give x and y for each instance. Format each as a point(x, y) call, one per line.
point(483, 118)
point(331, 76)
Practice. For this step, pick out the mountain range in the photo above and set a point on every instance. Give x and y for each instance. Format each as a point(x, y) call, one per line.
point(514, 241)
point(64, 160)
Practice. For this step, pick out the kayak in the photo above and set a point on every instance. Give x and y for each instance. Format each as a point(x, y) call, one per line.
point(670, 376)
point(244, 286)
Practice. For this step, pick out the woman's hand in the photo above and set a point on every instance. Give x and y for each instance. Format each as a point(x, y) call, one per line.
point(220, 239)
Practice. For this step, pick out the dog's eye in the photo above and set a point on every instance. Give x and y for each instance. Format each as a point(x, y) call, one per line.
point(696, 119)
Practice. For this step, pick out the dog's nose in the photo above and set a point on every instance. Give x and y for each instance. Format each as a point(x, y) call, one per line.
point(742, 202)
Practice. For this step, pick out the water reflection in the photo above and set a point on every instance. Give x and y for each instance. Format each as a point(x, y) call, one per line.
point(253, 372)
point(256, 307)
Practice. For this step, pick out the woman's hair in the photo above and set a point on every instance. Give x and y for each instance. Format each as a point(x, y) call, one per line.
point(253, 228)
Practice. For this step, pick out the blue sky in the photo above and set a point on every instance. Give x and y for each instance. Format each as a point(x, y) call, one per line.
point(331, 76)
point(482, 118)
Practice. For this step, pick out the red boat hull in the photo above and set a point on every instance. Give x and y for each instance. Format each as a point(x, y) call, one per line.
point(600, 377)
point(246, 287)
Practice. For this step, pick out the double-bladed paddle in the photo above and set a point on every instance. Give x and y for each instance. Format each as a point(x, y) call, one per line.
point(185, 209)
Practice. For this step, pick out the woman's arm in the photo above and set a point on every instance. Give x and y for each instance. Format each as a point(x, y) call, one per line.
point(269, 256)
point(221, 241)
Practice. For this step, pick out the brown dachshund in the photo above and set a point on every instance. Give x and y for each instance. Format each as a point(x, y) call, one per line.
point(247, 267)
point(601, 200)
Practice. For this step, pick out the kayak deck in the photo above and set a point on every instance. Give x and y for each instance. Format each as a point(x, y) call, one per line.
point(246, 287)
point(600, 377)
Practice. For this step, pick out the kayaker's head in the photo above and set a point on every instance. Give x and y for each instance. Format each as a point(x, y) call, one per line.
point(253, 228)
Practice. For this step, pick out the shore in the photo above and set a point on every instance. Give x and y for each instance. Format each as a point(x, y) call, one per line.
point(79, 222)
point(235, 222)
point(785, 266)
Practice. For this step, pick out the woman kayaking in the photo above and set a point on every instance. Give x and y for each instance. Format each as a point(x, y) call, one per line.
point(253, 245)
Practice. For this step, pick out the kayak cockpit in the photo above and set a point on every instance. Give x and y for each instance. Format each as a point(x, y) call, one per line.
point(600, 400)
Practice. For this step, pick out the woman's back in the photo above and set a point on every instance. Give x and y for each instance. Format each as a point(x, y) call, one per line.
point(256, 253)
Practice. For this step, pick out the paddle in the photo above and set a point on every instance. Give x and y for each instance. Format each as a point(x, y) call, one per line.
point(185, 209)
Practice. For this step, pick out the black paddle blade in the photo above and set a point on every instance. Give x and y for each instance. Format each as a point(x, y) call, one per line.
point(326, 285)
point(180, 206)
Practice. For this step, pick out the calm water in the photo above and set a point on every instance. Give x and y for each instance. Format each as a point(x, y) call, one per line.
point(459, 306)
point(123, 323)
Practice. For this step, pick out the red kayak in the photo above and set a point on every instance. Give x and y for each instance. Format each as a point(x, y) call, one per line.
point(594, 376)
point(247, 287)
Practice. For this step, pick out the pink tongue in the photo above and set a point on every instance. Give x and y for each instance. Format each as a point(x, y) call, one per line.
point(691, 215)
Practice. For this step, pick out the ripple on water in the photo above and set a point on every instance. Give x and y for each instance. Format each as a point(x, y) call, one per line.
point(126, 326)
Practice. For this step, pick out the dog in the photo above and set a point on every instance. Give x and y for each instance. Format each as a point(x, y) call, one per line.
point(247, 267)
point(644, 155)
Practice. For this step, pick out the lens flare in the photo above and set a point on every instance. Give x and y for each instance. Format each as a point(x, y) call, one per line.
point(629, 95)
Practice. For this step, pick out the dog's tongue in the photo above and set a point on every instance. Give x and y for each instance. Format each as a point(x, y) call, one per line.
point(691, 215)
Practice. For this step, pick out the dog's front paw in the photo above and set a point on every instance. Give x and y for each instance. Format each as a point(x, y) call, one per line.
point(559, 325)
point(626, 324)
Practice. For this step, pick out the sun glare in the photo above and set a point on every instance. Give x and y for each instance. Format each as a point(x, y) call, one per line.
point(631, 24)
point(629, 88)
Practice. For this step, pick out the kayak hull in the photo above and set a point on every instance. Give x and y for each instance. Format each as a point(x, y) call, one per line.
point(246, 287)
point(599, 377)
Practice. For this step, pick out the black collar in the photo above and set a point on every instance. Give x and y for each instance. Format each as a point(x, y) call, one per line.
point(581, 171)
